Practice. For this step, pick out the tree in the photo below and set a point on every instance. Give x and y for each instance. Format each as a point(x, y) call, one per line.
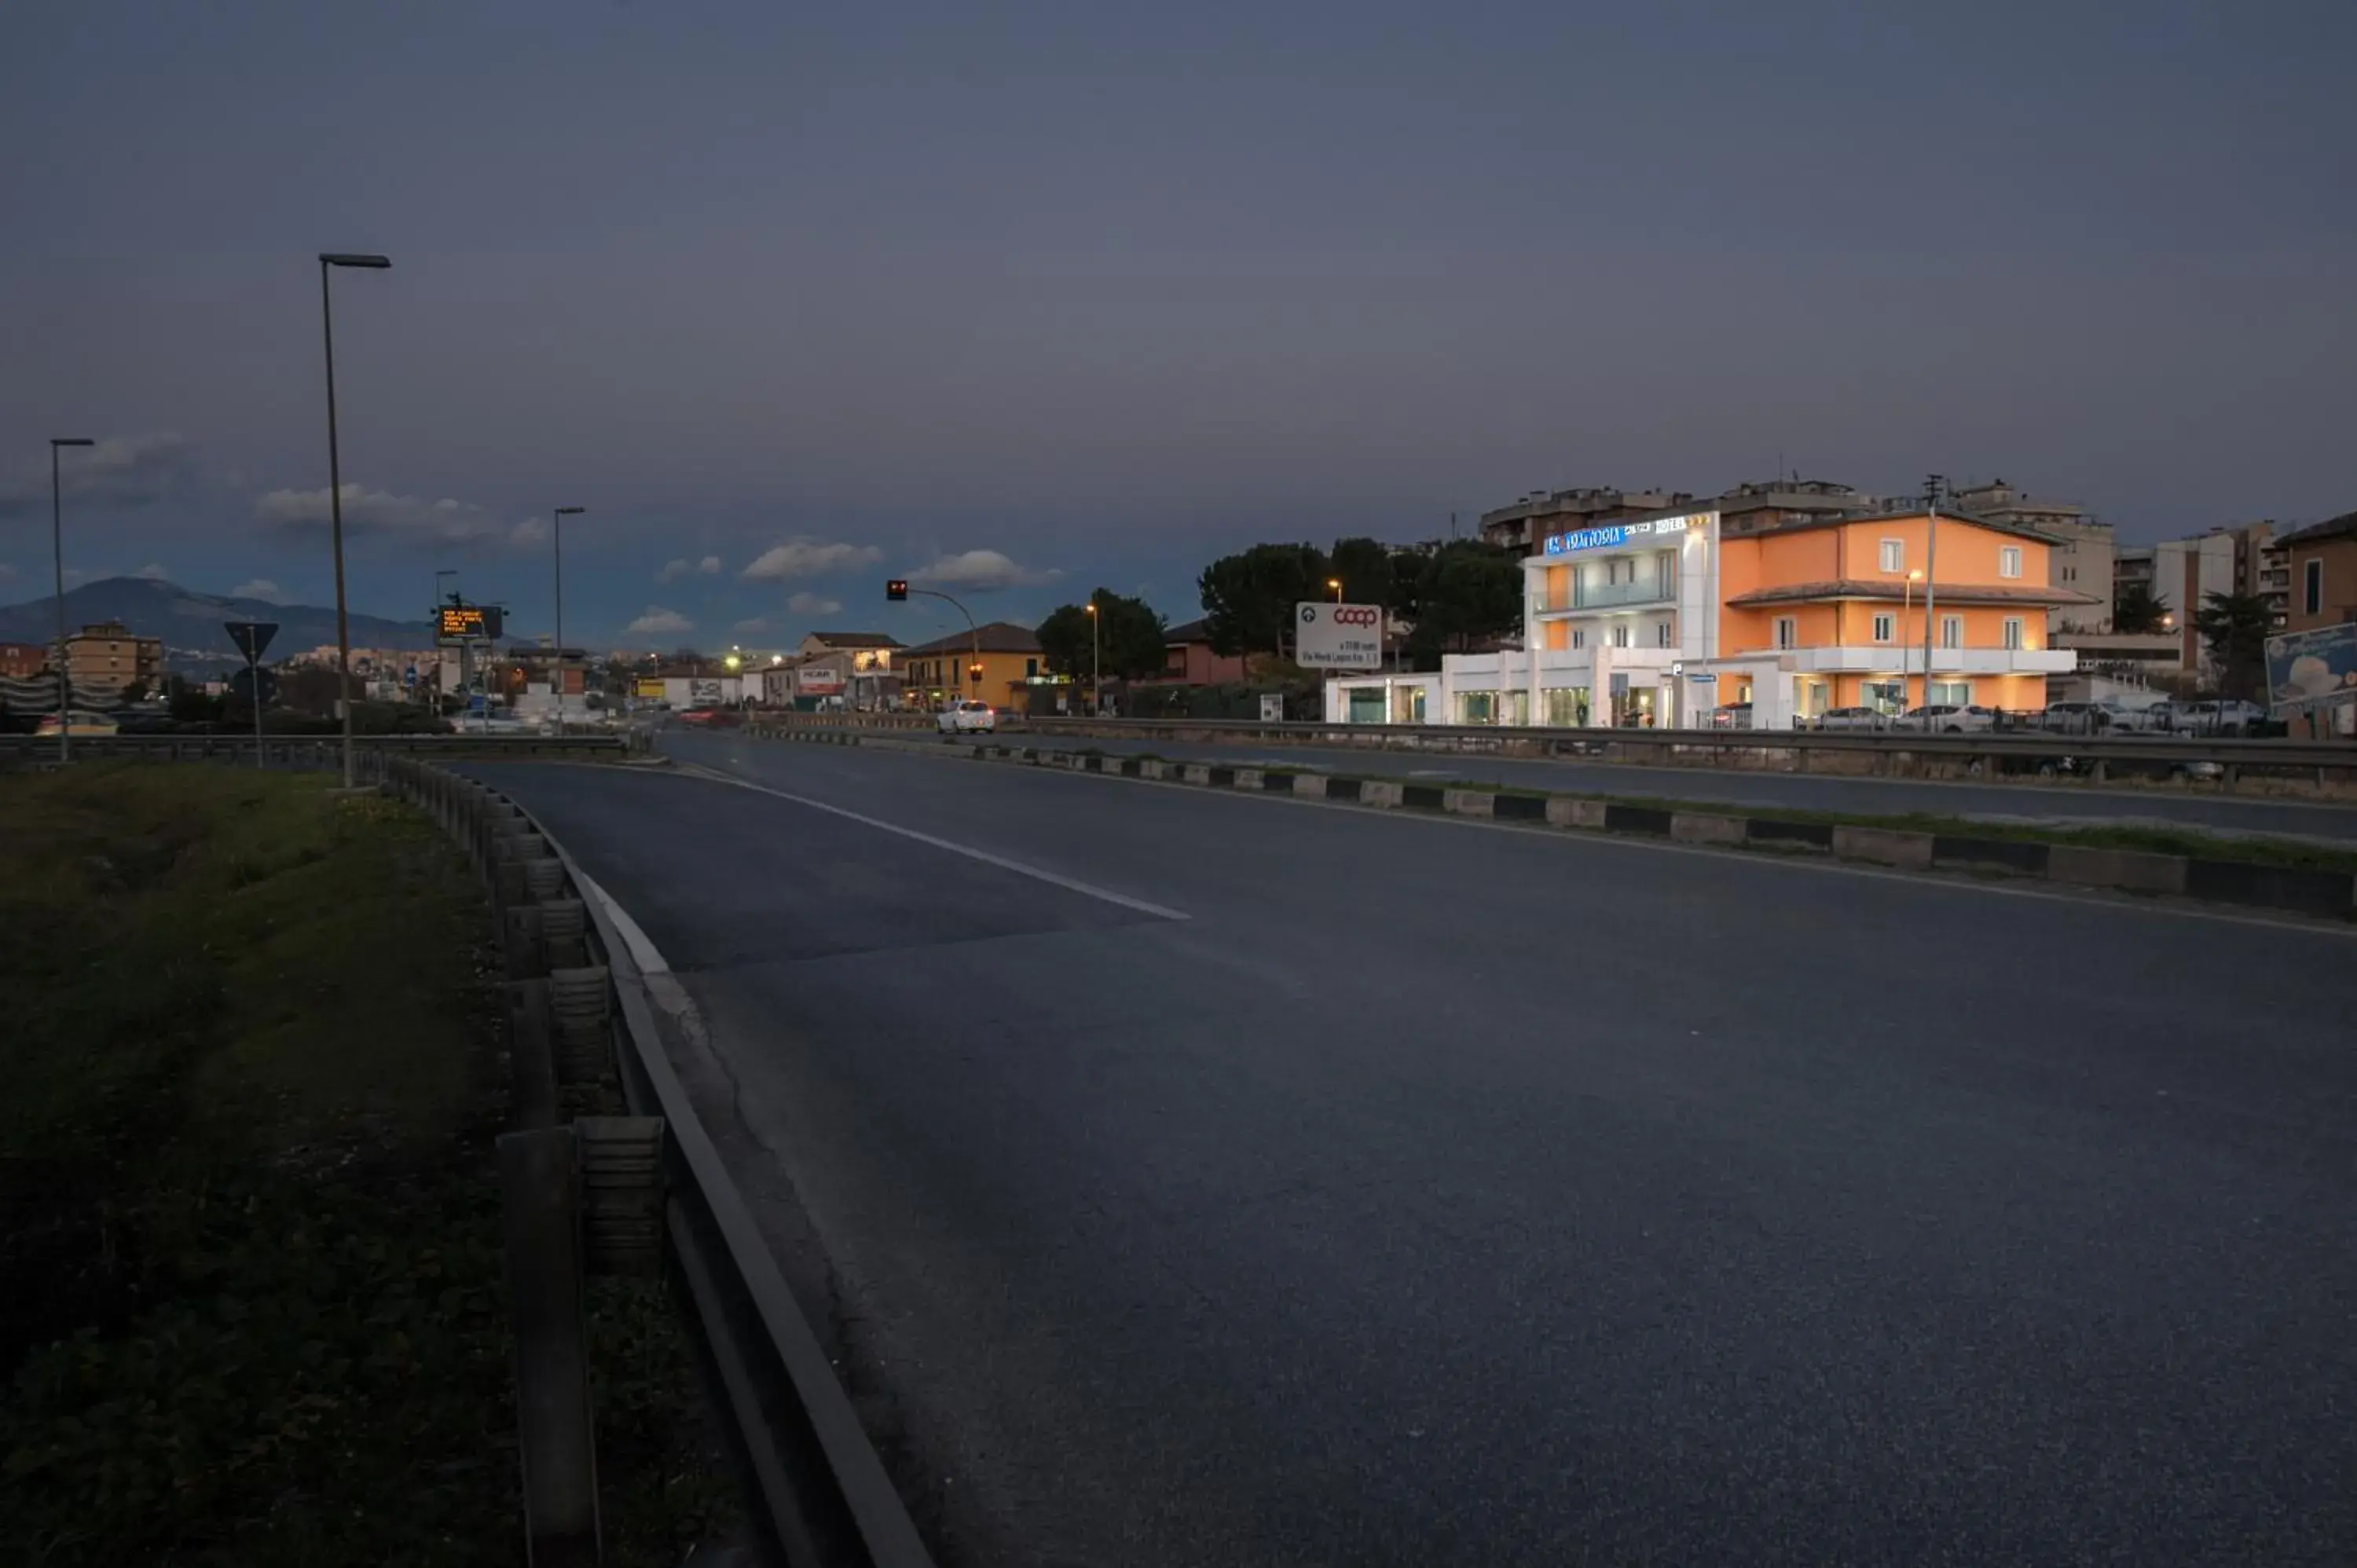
point(1458, 595)
point(2136, 612)
point(1128, 643)
point(1248, 597)
point(1365, 568)
point(2235, 629)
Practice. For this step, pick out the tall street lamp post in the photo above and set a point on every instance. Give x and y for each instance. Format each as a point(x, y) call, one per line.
point(556, 672)
point(1336, 585)
point(336, 494)
point(1096, 663)
point(1906, 614)
point(1931, 487)
point(58, 550)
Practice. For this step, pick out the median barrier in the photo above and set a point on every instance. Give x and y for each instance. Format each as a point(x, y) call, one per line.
point(2131, 870)
point(1707, 827)
point(1883, 846)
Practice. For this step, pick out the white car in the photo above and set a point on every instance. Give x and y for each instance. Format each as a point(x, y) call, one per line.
point(1947, 718)
point(1836, 719)
point(967, 718)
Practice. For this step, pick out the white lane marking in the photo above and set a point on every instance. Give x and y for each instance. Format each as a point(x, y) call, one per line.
point(1037, 873)
point(642, 950)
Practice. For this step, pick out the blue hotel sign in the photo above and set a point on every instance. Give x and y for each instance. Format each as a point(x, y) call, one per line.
point(1615, 534)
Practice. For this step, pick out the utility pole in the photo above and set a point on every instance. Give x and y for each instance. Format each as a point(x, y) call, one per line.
point(556, 665)
point(328, 260)
point(58, 545)
point(1934, 486)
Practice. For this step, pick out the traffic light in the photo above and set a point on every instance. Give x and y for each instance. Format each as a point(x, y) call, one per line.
point(897, 589)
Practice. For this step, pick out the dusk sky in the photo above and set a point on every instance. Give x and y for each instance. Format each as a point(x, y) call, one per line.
point(1036, 297)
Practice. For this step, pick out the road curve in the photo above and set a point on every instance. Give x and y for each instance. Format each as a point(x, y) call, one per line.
point(1219, 1179)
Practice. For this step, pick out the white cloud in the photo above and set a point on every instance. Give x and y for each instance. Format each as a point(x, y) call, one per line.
point(674, 570)
point(120, 471)
point(814, 605)
point(445, 522)
point(152, 573)
point(258, 588)
point(659, 622)
point(983, 570)
point(809, 558)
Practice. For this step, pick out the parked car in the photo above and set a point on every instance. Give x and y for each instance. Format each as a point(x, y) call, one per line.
point(1731, 716)
point(968, 717)
point(1948, 718)
point(2077, 718)
point(2208, 716)
point(1853, 719)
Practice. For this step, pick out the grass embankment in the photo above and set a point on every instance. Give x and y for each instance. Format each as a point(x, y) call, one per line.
point(2147, 838)
point(249, 1228)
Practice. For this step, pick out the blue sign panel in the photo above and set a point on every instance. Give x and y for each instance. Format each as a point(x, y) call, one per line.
point(1612, 533)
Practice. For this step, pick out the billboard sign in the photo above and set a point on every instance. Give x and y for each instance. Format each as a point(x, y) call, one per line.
point(818, 680)
point(649, 688)
point(1611, 533)
point(1337, 637)
point(703, 693)
point(466, 623)
point(2309, 670)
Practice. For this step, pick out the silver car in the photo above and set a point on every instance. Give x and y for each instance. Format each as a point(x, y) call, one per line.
point(1948, 718)
point(1853, 719)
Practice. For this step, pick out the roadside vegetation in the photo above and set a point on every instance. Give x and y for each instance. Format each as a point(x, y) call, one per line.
point(253, 1311)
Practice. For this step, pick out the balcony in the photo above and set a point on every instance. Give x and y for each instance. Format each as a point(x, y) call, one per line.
point(1606, 596)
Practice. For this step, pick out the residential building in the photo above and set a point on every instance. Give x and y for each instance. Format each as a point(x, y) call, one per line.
point(2179, 573)
point(1188, 658)
point(19, 659)
point(109, 656)
point(2081, 560)
point(1758, 505)
point(869, 651)
point(2319, 566)
point(1663, 620)
point(997, 663)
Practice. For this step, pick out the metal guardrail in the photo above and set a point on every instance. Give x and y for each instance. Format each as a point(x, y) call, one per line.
point(298, 751)
point(818, 1483)
point(2322, 760)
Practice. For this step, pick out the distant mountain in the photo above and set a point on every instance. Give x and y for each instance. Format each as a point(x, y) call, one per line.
point(190, 623)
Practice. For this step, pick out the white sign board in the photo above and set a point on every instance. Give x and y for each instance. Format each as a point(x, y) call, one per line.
point(1337, 637)
point(1272, 708)
point(820, 681)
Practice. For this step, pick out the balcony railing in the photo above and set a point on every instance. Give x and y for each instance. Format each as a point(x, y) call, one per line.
point(1606, 596)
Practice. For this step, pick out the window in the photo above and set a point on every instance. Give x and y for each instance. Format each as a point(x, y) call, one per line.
point(1894, 555)
point(1884, 696)
point(1620, 634)
point(1883, 625)
point(1955, 693)
point(2312, 586)
point(1662, 634)
point(2008, 561)
point(1030, 670)
point(1952, 631)
point(2013, 631)
point(1787, 632)
point(1578, 638)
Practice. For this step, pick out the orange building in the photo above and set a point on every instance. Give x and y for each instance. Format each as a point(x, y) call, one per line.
point(1691, 618)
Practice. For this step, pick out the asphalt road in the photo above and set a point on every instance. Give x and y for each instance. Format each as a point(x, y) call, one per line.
point(1789, 792)
point(1223, 1180)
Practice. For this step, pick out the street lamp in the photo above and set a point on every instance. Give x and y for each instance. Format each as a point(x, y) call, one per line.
point(557, 671)
point(1905, 613)
point(336, 494)
point(1933, 485)
point(1336, 583)
point(1096, 663)
point(57, 548)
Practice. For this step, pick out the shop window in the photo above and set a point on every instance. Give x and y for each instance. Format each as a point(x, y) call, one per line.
point(1894, 555)
point(1477, 707)
point(1952, 631)
point(1884, 625)
point(2008, 561)
point(1565, 706)
point(1958, 692)
point(1787, 632)
point(2013, 631)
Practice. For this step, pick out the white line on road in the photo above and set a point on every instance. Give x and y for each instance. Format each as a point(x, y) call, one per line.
point(1037, 873)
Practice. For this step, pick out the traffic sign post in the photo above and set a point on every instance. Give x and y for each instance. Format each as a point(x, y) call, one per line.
point(252, 638)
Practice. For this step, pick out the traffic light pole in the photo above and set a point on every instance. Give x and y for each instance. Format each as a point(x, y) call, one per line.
point(253, 687)
point(904, 591)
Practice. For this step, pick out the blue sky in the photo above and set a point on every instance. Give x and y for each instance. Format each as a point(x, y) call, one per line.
point(1039, 296)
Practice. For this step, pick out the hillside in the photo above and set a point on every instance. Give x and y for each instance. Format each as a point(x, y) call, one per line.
point(190, 623)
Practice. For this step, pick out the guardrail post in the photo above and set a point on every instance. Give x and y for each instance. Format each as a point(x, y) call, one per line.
point(580, 1003)
point(539, 1186)
point(621, 1193)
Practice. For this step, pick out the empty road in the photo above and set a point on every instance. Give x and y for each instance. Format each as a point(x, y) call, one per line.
point(1207, 1179)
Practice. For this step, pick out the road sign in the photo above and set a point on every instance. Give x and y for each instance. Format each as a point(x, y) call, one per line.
point(252, 637)
point(240, 685)
point(1704, 678)
point(1337, 637)
point(457, 623)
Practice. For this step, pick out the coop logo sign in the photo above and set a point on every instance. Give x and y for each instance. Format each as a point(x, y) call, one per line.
point(1338, 636)
point(1613, 533)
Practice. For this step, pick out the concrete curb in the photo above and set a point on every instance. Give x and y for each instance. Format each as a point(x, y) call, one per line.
point(2246, 883)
